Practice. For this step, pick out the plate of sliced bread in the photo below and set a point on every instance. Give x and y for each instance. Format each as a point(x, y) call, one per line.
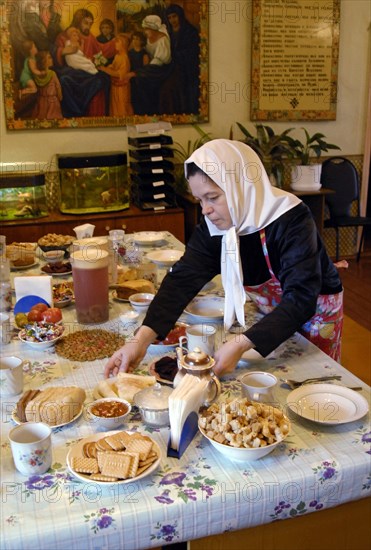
point(55, 406)
point(125, 385)
point(114, 457)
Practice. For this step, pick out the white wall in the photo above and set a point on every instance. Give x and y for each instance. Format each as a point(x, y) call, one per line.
point(229, 70)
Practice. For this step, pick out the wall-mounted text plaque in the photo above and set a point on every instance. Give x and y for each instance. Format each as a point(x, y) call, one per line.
point(295, 53)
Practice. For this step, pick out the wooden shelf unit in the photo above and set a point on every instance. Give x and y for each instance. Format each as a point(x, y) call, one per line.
point(132, 220)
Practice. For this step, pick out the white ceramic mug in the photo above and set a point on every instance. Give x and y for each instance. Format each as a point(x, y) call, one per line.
point(199, 336)
point(258, 386)
point(5, 330)
point(11, 375)
point(31, 445)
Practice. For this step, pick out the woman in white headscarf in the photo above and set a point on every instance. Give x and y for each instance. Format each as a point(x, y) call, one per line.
point(146, 81)
point(264, 242)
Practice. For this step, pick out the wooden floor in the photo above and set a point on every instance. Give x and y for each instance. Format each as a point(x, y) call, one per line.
point(356, 342)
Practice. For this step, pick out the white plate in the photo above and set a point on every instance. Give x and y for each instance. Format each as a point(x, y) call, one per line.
point(165, 258)
point(17, 421)
point(65, 274)
point(77, 451)
point(206, 308)
point(327, 403)
point(147, 238)
point(23, 267)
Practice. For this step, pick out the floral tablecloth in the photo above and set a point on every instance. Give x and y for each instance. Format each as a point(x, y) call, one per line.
point(200, 494)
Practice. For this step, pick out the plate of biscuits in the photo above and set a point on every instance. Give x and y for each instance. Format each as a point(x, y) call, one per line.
point(115, 457)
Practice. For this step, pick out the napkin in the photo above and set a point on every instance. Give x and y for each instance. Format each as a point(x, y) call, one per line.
point(187, 397)
point(84, 231)
point(34, 285)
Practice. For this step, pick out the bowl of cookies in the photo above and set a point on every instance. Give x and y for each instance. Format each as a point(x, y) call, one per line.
point(242, 430)
point(108, 413)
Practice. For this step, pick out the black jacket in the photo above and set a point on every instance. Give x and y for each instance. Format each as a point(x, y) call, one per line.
point(299, 261)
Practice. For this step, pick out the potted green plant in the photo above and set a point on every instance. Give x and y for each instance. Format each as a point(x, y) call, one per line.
point(271, 148)
point(182, 153)
point(306, 174)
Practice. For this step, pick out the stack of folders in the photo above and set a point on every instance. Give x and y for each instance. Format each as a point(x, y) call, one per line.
point(186, 398)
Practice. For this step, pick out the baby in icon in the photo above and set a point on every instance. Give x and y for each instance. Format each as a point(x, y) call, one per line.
point(78, 59)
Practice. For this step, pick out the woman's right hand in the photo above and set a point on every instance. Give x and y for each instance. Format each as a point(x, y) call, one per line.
point(125, 359)
point(131, 354)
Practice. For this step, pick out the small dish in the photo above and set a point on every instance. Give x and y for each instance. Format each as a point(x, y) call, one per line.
point(148, 238)
point(108, 413)
point(49, 341)
point(53, 256)
point(171, 341)
point(165, 258)
point(140, 301)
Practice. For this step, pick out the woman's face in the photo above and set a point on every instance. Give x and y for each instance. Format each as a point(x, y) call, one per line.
point(212, 199)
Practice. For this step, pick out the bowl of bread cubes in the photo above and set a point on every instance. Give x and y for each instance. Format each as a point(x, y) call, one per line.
point(243, 430)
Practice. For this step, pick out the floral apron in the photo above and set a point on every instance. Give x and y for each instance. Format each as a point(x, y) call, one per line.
point(323, 329)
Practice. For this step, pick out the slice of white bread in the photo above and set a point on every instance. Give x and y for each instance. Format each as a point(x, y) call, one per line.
point(107, 389)
point(125, 290)
point(55, 406)
point(129, 384)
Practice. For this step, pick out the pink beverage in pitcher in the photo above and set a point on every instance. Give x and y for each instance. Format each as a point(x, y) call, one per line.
point(90, 282)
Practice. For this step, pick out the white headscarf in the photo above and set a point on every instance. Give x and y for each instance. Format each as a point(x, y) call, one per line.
point(154, 22)
point(253, 204)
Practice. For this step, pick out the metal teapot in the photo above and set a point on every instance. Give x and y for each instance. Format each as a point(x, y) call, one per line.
point(198, 364)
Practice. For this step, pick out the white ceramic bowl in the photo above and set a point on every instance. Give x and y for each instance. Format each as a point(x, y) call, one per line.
point(40, 346)
point(242, 454)
point(165, 258)
point(105, 422)
point(140, 301)
point(129, 316)
point(53, 256)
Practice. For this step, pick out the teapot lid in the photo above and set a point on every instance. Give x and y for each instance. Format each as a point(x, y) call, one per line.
point(198, 358)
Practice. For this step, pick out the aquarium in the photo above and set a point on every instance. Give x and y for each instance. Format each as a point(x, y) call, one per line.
point(22, 196)
point(93, 182)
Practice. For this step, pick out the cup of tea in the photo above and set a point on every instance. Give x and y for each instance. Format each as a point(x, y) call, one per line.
point(90, 282)
point(258, 386)
point(200, 336)
point(11, 375)
point(31, 445)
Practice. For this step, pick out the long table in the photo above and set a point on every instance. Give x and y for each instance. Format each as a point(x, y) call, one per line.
point(317, 468)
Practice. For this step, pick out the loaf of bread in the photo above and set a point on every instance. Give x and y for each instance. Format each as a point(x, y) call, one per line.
point(22, 403)
point(125, 290)
point(55, 406)
point(20, 254)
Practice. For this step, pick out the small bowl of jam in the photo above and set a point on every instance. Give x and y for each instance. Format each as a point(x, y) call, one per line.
point(108, 413)
point(140, 301)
